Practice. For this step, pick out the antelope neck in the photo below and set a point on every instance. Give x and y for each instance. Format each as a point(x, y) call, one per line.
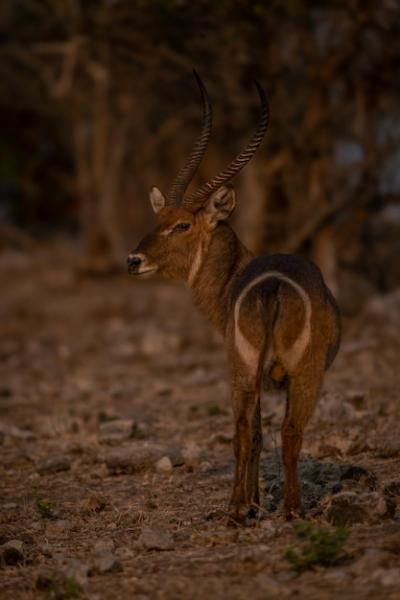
point(213, 269)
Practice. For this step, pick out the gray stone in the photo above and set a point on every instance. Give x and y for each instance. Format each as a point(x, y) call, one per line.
point(15, 432)
point(157, 342)
point(268, 584)
point(139, 456)
point(77, 571)
point(58, 529)
point(390, 577)
point(105, 563)
point(371, 560)
point(104, 560)
point(116, 431)
point(124, 553)
point(54, 464)
point(191, 454)
point(156, 539)
point(12, 552)
point(104, 547)
point(345, 508)
point(220, 438)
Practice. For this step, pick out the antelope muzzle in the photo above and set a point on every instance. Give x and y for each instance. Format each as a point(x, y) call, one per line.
point(139, 264)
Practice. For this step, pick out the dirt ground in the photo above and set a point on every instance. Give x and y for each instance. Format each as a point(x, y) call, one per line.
point(116, 449)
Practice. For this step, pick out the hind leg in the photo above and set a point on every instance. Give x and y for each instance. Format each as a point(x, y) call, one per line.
point(302, 396)
point(247, 445)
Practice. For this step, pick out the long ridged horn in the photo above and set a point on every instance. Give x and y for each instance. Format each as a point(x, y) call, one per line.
point(185, 175)
point(197, 198)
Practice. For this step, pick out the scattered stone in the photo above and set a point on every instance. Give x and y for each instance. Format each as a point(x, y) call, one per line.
point(54, 464)
point(349, 507)
point(51, 426)
point(124, 350)
point(191, 454)
point(124, 553)
point(345, 509)
point(96, 503)
point(356, 398)
point(205, 466)
point(361, 476)
point(12, 552)
point(155, 342)
point(105, 563)
point(77, 570)
point(175, 454)
point(164, 465)
point(104, 560)
point(155, 539)
point(220, 438)
point(388, 449)
point(286, 576)
point(389, 577)
point(58, 529)
point(11, 431)
point(139, 456)
point(216, 538)
point(392, 495)
point(371, 560)
point(103, 547)
point(113, 432)
point(265, 582)
point(337, 577)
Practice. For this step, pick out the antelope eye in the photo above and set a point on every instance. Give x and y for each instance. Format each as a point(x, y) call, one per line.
point(181, 227)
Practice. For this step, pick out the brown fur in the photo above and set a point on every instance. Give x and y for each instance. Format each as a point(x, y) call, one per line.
point(272, 317)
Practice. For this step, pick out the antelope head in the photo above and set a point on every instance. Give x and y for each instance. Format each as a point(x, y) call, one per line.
point(186, 223)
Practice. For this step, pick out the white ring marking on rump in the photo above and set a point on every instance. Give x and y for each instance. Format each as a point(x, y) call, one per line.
point(291, 357)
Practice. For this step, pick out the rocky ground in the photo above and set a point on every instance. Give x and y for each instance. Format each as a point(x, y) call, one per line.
point(116, 459)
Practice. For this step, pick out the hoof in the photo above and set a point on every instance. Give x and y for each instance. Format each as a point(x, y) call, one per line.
point(292, 514)
point(243, 517)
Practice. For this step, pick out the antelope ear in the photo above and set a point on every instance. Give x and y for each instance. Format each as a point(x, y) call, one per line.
point(220, 205)
point(157, 199)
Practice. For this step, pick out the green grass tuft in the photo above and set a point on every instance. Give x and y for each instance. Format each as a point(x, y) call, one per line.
point(46, 509)
point(214, 410)
point(319, 546)
point(59, 587)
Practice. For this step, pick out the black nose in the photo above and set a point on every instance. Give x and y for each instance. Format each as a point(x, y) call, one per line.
point(134, 261)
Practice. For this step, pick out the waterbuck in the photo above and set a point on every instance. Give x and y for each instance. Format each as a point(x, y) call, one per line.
point(277, 316)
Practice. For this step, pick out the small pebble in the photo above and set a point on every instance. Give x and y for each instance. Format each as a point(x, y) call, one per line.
point(156, 539)
point(54, 464)
point(164, 465)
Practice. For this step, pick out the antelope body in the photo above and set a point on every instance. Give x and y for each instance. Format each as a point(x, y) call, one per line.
point(275, 312)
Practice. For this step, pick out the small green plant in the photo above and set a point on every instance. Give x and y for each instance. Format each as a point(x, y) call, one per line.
point(319, 546)
point(214, 410)
point(105, 417)
point(46, 508)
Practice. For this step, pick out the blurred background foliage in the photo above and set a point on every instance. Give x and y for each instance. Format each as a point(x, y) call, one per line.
point(98, 104)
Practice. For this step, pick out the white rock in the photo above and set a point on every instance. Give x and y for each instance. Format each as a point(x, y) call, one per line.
point(164, 465)
point(191, 454)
